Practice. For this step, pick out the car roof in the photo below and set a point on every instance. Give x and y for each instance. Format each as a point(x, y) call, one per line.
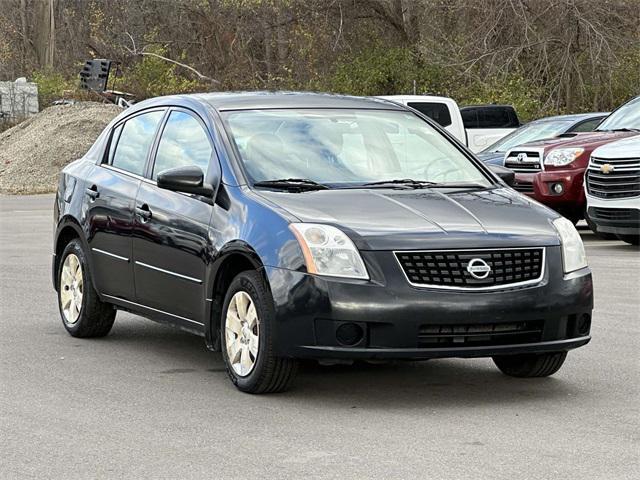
point(417, 98)
point(575, 117)
point(263, 100)
point(487, 105)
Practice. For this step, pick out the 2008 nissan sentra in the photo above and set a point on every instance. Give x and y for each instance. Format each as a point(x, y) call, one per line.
point(282, 226)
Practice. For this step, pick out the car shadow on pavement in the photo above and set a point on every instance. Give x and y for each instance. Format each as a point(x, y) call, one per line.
point(442, 383)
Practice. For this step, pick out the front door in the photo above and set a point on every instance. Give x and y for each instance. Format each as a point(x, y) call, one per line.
point(110, 193)
point(170, 246)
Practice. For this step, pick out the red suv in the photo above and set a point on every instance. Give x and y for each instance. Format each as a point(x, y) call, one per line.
point(552, 171)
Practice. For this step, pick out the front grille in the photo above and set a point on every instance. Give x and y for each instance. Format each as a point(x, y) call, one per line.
point(621, 181)
point(448, 268)
point(487, 334)
point(621, 214)
point(523, 186)
point(521, 161)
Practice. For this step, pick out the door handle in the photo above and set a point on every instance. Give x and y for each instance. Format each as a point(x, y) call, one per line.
point(144, 212)
point(92, 192)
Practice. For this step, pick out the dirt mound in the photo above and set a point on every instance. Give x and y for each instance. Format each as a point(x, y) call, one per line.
point(33, 152)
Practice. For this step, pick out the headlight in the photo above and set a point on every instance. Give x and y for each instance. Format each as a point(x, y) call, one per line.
point(562, 156)
point(328, 251)
point(573, 255)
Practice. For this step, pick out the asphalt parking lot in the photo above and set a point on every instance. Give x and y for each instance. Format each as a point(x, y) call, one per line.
point(151, 402)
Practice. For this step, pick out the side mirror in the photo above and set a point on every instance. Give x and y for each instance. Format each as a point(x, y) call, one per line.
point(185, 179)
point(506, 175)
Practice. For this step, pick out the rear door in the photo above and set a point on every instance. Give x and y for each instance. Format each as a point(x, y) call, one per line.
point(170, 245)
point(111, 191)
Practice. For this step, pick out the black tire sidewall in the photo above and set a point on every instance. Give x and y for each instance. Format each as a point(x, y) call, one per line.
point(251, 283)
point(76, 248)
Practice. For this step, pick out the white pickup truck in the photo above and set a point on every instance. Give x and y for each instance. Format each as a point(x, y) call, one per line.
point(477, 126)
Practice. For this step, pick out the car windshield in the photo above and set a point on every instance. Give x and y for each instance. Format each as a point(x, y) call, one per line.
point(342, 148)
point(530, 133)
point(627, 117)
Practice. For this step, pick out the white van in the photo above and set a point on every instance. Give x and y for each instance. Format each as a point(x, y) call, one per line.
point(477, 126)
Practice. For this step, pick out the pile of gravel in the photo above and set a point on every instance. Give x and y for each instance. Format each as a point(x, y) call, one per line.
point(33, 152)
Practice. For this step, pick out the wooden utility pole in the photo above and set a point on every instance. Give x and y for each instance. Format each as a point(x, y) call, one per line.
point(45, 32)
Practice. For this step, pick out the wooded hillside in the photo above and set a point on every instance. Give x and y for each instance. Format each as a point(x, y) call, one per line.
point(543, 56)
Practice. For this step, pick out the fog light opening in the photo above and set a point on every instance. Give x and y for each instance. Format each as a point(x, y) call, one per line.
point(349, 334)
point(585, 324)
point(557, 188)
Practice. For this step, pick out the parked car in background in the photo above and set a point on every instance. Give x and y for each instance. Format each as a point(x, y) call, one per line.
point(612, 185)
point(565, 126)
point(485, 124)
point(552, 171)
point(285, 226)
point(475, 126)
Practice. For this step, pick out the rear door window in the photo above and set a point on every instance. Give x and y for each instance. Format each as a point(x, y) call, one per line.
point(469, 117)
point(494, 118)
point(135, 138)
point(184, 142)
point(588, 125)
point(489, 117)
point(435, 111)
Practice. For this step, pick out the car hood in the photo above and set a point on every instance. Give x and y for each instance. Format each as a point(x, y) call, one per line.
point(589, 140)
point(626, 148)
point(491, 158)
point(395, 219)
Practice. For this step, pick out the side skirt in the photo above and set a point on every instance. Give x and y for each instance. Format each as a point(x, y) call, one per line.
point(160, 316)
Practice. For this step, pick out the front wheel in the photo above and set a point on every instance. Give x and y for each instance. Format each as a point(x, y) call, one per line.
point(531, 364)
point(83, 313)
point(247, 338)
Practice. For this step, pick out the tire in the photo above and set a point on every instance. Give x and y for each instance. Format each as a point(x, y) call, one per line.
point(573, 217)
point(263, 371)
point(594, 229)
point(630, 239)
point(530, 365)
point(83, 314)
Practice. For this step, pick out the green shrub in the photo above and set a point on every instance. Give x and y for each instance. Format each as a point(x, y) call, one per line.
point(513, 90)
point(152, 76)
point(383, 71)
point(52, 86)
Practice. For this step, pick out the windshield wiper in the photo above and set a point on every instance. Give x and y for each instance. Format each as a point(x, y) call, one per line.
point(624, 129)
point(292, 184)
point(411, 183)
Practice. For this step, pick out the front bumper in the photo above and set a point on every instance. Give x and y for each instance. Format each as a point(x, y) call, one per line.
point(618, 216)
point(394, 315)
point(572, 196)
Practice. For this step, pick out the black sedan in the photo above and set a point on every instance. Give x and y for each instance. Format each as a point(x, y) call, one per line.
point(281, 226)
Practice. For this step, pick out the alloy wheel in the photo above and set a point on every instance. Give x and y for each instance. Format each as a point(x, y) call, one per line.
point(242, 329)
point(71, 288)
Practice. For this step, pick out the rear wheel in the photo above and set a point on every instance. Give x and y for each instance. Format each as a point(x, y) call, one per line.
point(530, 365)
point(631, 239)
point(83, 313)
point(247, 338)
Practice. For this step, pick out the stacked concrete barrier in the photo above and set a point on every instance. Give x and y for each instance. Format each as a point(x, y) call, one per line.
point(18, 100)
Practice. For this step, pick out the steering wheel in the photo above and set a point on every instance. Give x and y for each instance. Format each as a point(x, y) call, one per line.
point(438, 176)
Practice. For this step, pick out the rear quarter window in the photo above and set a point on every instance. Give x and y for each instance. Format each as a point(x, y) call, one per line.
point(129, 152)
